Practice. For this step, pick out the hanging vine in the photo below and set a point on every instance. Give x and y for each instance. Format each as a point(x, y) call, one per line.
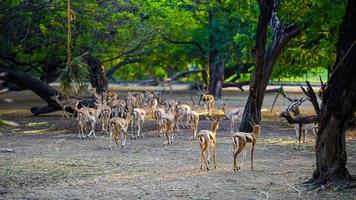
point(76, 70)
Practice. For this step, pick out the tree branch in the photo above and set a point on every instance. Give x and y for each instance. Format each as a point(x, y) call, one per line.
point(116, 67)
point(194, 43)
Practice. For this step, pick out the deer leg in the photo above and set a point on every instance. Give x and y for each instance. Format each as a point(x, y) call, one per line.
point(111, 134)
point(142, 122)
point(79, 131)
point(139, 128)
point(93, 128)
point(304, 133)
point(252, 150)
point(214, 155)
point(115, 139)
point(124, 137)
point(167, 137)
point(203, 149)
point(300, 134)
point(132, 129)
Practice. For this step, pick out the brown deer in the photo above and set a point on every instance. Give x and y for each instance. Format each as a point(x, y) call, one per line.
point(119, 125)
point(66, 103)
point(193, 121)
point(84, 116)
point(138, 120)
point(167, 121)
point(207, 138)
point(240, 139)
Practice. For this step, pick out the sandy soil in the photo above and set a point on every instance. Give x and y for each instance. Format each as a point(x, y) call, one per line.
point(50, 161)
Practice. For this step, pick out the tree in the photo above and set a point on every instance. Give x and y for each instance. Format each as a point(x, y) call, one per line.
point(206, 32)
point(338, 106)
point(265, 59)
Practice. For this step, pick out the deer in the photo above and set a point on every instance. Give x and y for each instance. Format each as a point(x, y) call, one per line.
point(167, 121)
point(182, 110)
point(118, 108)
point(207, 98)
point(131, 102)
point(103, 114)
point(84, 116)
point(240, 139)
point(140, 98)
point(66, 103)
point(119, 125)
point(233, 114)
point(193, 121)
point(158, 122)
point(138, 120)
point(207, 138)
point(302, 124)
point(152, 102)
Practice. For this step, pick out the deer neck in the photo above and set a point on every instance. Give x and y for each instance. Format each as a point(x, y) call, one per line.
point(290, 119)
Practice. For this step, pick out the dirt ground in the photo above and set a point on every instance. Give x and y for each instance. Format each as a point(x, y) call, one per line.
point(50, 161)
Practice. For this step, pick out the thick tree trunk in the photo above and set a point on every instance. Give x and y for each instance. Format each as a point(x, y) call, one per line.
point(265, 61)
point(97, 75)
point(338, 106)
point(216, 66)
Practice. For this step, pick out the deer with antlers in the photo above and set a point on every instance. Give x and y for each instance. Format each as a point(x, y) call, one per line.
point(206, 139)
point(119, 128)
point(302, 124)
point(207, 98)
point(240, 139)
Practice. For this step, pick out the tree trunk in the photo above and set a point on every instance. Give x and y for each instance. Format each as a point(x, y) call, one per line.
point(97, 75)
point(338, 106)
point(265, 61)
point(216, 73)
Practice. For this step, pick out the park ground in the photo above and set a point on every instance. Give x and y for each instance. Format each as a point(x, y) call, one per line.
point(49, 161)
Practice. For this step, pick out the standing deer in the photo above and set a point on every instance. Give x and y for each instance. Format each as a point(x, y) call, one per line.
point(119, 125)
point(84, 116)
point(193, 121)
point(157, 114)
point(182, 110)
point(240, 139)
point(207, 138)
point(66, 103)
point(138, 120)
point(168, 120)
point(302, 124)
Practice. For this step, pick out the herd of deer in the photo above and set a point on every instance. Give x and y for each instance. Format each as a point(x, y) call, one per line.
point(118, 117)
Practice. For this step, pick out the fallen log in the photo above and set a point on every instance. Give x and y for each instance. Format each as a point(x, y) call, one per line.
point(40, 88)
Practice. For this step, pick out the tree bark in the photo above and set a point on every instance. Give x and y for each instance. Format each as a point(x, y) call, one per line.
point(338, 106)
point(216, 70)
point(265, 61)
point(97, 75)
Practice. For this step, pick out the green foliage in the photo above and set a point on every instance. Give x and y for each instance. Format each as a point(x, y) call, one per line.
point(33, 33)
